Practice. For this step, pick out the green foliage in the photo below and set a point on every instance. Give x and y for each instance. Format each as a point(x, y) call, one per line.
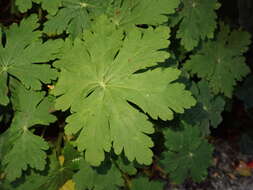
point(76, 16)
point(197, 21)
point(111, 70)
point(1, 34)
point(107, 176)
point(51, 6)
point(188, 154)
point(125, 166)
point(245, 92)
point(143, 183)
point(21, 148)
point(23, 48)
point(207, 112)
point(100, 75)
point(221, 61)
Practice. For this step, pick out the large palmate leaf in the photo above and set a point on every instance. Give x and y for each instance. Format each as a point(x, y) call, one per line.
point(188, 154)
point(197, 21)
point(221, 62)
point(107, 176)
point(50, 5)
point(21, 148)
point(98, 80)
point(208, 110)
point(23, 48)
point(77, 15)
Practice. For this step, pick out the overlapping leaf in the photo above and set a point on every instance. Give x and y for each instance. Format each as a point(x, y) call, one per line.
point(107, 176)
point(125, 166)
point(187, 155)
point(245, 92)
point(76, 15)
point(208, 110)
point(221, 62)
point(51, 6)
point(97, 81)
point(197, 21)
point(126, 13)
point(21, 148)
point(51, 179)
point(22, 50)
point(143, 183)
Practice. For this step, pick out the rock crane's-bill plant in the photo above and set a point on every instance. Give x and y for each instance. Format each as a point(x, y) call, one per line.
point(98, 75)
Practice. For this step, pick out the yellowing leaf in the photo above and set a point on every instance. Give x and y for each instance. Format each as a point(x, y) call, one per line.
point(69, 185)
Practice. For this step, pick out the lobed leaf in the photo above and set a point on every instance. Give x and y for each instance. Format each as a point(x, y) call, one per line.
point(143, 183)
point(128, 13)
point(221, 61)
point(75, 16)
point(188, 154)
point(22, 57)
point(197, 21)
point(99, 71)
point(208, 110)
point(51, 6)
point(102, 178)
point(21, 148)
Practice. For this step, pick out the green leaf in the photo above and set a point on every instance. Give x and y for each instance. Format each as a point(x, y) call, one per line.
point(33, 181)
point(125, 166)
point(31, 107)
point(103, 178)
point(28, 150)
point(187, 155)
point(22, 49)
point(142, 183)
point(100, 72)
point(128, 13)
point(76, 16)
point(221, 62)
point(197, 21)
point(245, 92)
point(57, 176)
point(208, 110)
point(1, 34)
point(51, 6)
point(50, 179)
point(22, 149)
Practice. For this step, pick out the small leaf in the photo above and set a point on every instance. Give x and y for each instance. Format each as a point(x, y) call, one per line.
point(51, 6)
point(221, 62)
point(142, 183)
point(21, 148)
point(105, 177)
point(207, 112)
point(188, 154)
point(197, 21)
point(28, 150)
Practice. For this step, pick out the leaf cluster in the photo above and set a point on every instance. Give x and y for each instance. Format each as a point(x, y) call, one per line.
point(84, 81)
